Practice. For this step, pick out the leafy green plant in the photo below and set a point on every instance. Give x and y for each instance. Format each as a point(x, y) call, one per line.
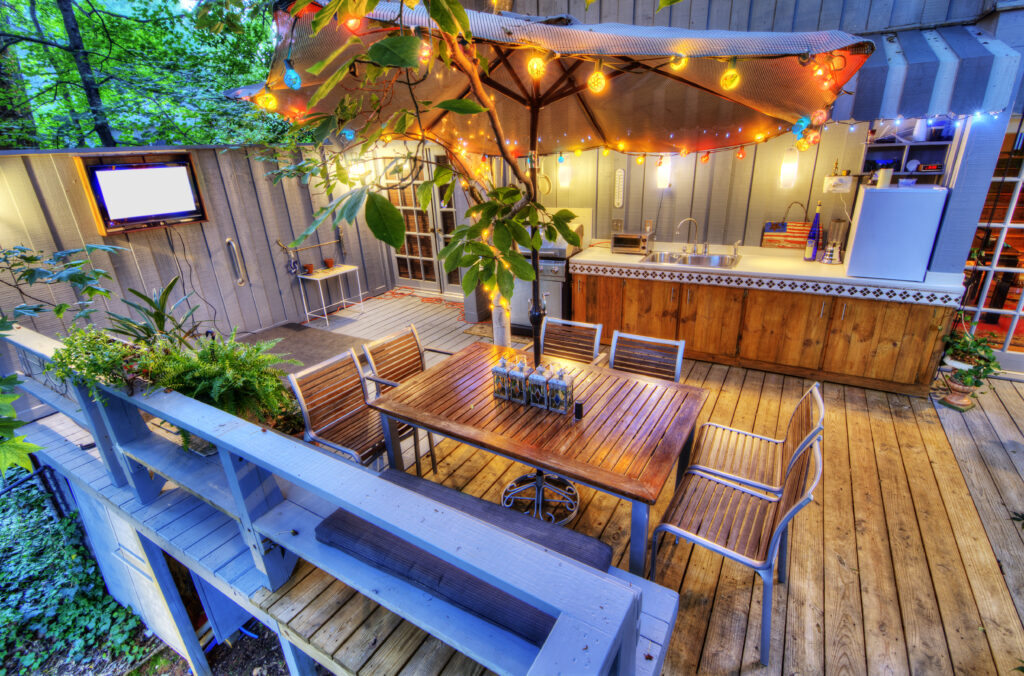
point(88, 356)
point(239, 378)
point(972, 349)
point(53, 603)
point(158, 321)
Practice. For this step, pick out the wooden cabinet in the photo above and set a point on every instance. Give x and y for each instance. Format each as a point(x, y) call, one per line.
point(898, 342)
point(709, 320)
point(785, 328)
point(650, 308)
point(598, 299)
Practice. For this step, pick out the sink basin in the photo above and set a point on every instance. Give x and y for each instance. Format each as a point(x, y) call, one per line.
point(702, 260)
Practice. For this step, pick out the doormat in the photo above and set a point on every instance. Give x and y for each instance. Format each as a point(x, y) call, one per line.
point(483, 329)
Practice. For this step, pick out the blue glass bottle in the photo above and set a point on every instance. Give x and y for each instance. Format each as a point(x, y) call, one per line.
point(811, 249)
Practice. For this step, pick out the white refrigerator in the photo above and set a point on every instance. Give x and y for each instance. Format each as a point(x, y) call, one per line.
point(893, 232)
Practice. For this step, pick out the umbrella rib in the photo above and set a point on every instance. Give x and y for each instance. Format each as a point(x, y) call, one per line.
point(497, 86)
point(583, 105)
point(676, 78)
point(511, 71)
point(462, 95)
point(566, 75)
point(574, 89)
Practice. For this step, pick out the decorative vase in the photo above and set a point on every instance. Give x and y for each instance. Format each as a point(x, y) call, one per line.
point(308, 268)
point(328, 263)
point(959, 396)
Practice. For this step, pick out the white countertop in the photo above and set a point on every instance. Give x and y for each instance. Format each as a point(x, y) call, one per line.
point(772, 270)
point(771, 263)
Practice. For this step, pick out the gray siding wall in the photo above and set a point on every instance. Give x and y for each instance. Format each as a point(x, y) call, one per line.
point(44, 205)
point(854, 16)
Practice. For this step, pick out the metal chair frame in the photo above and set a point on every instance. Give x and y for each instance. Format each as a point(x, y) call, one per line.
point(567, 322)
point(777, 547)
point(380, 382)
point(680, 344)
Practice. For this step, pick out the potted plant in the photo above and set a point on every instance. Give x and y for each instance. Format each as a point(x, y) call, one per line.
point(973, 360)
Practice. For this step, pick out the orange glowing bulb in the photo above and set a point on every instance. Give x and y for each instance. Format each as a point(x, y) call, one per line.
point(740, 154)
point(730, 79)
point(640, 159)
point(267, 101)
point(678, 62)
point(813, 137)
point(597, 82)
point(683, 152)
point(621, 146)
point(353, 23)
point(536, 67)
point(819, 117)
point(605, 151)
point(802, 144)
point(705, 158)
point(577, 152)
point(758, 137)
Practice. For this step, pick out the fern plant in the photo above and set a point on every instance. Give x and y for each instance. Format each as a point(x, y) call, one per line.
point(240, 378)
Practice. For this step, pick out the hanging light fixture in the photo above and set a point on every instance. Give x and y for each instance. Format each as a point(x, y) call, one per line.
point(802, 144)
point(741, 153)
point(564, 172)
point(536, 67)
point(425, 52)
point(731, 77)
point(663, 174)
point(267, 101)
point(353, 23)
point(291, 76)
point(790, 164)
point(640, 159)
point(705, 158)
point(678, 62)
point(819, 117)
point(597, 82)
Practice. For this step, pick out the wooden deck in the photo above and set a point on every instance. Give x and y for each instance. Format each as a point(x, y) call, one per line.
point(904, 562)
point(897, 566)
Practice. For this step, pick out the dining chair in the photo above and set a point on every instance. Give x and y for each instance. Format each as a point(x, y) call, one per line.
point(332, 397)
point(757, 461)
point(743, 524)
point(647, 356)
point(394, 359)
point(578, 341)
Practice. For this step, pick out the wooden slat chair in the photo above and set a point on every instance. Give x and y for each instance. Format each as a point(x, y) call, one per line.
point(578, 341)
point(754, 460)
point(742, 523)
point(394, 359)
point(647, 356)
point(332, 396)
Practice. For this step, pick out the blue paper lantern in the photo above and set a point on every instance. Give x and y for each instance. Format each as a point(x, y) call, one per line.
point(291, 76)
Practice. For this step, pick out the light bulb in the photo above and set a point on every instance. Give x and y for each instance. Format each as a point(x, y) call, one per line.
point(564, 174)
point(605, 151)
point(683, 152)
point(705, 158)
point(560, 158)
point(577, 152)
point(536, 67)
point(266, 101)
point(425, 52)
point(802, 144)
point(758, 137)
point(819, 117)
point(348, 134)
point(663, 175)
point(597, 82)
point(730, 79)
point(678, 62)
point(291, 76)
point(621, 146)
point(813, 137)
point(741, 153)
point(790, 164)
point(640, 159)
point(353, 23)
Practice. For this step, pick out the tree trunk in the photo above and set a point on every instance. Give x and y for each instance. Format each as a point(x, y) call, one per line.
point(76, 47)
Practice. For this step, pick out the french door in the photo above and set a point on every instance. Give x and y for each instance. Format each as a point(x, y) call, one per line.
point(994, 275)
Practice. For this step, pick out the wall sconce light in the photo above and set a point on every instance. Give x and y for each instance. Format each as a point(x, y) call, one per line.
point(790, 164)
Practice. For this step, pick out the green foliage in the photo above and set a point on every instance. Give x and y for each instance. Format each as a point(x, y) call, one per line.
point(461, 106)
point(158, 321)
point(973, 349)
point(52, 598)
point(239, 378)
point(160, 72)
point(400, 51)
point(88, 356)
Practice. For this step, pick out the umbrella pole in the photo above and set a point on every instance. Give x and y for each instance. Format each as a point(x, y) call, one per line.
point(537, 310)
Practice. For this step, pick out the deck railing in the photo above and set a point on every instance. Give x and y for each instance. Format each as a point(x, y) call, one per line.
point(277, 488)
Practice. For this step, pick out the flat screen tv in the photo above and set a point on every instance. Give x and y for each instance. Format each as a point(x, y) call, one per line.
point(131, 196)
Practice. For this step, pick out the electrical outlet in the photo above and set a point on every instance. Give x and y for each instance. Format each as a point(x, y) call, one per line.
point(616, 225)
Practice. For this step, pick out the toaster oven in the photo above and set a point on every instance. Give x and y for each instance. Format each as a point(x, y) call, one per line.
point(630, 243)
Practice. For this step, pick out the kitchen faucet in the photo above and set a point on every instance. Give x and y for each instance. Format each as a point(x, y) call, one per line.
point(689, 231)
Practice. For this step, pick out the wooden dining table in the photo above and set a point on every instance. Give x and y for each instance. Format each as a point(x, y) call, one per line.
point(633, 431)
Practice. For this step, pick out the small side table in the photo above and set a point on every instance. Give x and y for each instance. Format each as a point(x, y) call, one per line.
point(320, 277)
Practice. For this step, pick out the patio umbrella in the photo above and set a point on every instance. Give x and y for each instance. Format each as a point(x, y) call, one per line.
point(559, 85)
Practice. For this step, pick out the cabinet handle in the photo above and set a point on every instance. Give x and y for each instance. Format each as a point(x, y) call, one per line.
point(844, 313)
point(822, 313)
point(672, 297)
point(688, 292)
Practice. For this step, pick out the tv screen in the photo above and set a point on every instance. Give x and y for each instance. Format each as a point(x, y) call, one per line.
point(132, 196)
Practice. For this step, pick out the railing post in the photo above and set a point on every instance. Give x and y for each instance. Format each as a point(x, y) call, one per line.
point(256, 492)
point(124, 424)
point(98, 429)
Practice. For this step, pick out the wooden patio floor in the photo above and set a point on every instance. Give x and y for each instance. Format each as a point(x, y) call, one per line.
point(907, 561)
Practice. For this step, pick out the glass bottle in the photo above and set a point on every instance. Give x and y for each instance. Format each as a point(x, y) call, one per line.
point(811, 248)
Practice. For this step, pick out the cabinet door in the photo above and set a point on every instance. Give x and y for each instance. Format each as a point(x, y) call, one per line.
point(709, 319)
point(598, 299)
point(650, 308)
point(884, 340)
point(785, 328)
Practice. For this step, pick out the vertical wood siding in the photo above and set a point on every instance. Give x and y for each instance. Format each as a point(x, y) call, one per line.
point(44, 205)
point(855, 16)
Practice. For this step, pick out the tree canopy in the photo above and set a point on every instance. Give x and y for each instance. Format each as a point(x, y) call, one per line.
point(77, 73)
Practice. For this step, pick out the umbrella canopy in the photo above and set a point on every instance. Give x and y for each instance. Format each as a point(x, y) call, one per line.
point(665, 90)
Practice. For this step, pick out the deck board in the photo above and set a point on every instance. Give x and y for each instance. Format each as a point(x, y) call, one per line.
point(907, 559)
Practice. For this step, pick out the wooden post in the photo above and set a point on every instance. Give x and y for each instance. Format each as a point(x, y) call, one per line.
point(256, 492)
point(299, 663)
point(124, 424)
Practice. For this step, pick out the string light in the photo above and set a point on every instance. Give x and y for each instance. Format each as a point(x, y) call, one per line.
point(663, 174)
point(536, 67)
point(425, 51)
point(621, 146)
point(348, 134)
point(678, 61)
point(684, 151)
point(353, 23)
point(577, 152)
point(758, 137)
point(802, 144)
point(705, 158)
point(605, 151)
point(731, 77)
point(597, 81)
point(291, 76)
point(267, 101)
point(741, 153)
point(819, 117)
point(640, 159)
point(813, 137)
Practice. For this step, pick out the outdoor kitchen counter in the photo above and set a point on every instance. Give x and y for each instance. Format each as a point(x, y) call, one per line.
point(774, 311)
